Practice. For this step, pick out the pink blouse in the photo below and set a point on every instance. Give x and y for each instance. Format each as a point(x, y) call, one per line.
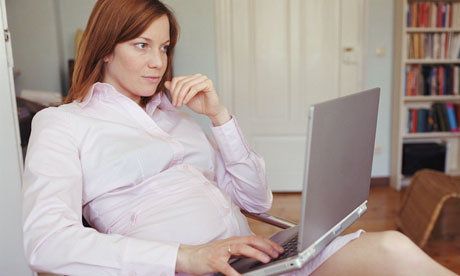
point(145, 180)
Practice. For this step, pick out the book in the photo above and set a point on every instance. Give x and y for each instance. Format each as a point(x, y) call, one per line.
point(456, 81)
point(422, 45)
point(444, 119)
point(421, 120)
point(436, 46)
point(434, 82)
point(442, 45)
point(431, 121)
point(440, 116)
point(433, 18)
point(434, 114)
point(414, 121)
point(448, 73)
point(440, 80)
point(409, 120)
point(426, 79)
point(456, 45)
point(457, 112)
point(410, 46)
point(451, 117)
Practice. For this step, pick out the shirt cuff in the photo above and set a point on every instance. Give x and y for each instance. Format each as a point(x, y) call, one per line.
point(231, 142)
point(148, 261)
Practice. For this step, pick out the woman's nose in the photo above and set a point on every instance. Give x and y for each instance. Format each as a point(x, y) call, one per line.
point(155, 60)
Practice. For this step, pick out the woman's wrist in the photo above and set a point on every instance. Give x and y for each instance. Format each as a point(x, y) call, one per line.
point(182, 258)
point(221, 117)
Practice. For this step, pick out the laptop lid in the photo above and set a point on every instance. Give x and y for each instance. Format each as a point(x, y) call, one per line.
point(340, 147)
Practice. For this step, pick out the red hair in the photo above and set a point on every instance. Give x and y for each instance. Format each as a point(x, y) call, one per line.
point(112, 22)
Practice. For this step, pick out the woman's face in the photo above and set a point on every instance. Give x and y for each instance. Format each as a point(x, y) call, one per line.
point(135, 67)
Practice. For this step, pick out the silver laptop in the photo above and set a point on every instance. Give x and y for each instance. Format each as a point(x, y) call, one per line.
point(340, 148)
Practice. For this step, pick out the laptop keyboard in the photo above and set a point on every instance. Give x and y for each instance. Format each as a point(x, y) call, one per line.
point(290, 249)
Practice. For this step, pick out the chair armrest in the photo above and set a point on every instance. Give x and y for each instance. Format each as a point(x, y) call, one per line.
point(272, 220)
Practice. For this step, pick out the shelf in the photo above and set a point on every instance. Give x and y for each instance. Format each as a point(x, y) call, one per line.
point(445, 98)
point(432, 61)
point(431, 135)
point(402, 103)
point(432, 30)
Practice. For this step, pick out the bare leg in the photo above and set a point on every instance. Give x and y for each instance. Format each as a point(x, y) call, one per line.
point(384, 253)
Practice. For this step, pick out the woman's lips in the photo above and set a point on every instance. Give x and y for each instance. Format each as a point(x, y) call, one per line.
point(152, 79)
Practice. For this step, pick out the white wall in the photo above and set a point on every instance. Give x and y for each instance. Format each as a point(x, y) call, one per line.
point(72, 15)
point(378, 74)
point(33, 27)
point(196, 48)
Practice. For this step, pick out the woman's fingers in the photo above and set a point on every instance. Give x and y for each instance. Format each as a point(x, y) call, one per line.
point(214, 256)
point(265, 245)
point(251, 252)
point(180, 86)
point(194, 86)
point(226, 269)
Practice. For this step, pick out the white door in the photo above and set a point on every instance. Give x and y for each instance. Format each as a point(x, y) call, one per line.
point(12, 261)
point(277, 57)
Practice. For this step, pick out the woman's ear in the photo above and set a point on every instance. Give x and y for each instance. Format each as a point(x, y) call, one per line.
point(107, 58)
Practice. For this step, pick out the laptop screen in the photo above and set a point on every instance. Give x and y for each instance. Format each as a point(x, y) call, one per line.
point(341, 135)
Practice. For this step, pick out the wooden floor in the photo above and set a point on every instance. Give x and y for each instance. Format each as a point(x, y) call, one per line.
point(383, 205)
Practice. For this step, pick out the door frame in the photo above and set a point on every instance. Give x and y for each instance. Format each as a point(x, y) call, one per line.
point(12, 256)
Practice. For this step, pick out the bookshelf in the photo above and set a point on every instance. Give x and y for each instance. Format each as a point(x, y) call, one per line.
point(426, 72)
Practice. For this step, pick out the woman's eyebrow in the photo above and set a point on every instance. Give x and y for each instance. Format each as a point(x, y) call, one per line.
point(145, 38)
point(150, 40)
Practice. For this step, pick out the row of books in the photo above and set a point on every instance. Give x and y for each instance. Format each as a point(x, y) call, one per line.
point(433, 14)
point(433, 45)
point(441, 117)
point(432, 80)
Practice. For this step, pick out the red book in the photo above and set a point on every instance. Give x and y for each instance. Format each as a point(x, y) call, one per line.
point(446, 45)
point(408, 83)
point(441, 80)
point(439, 15)
point(449, 14)
point(419, 14)
point(426, 7)
point(457, 111)
point(414, 121)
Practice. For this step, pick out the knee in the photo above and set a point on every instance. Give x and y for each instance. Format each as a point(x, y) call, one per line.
point(395, 245)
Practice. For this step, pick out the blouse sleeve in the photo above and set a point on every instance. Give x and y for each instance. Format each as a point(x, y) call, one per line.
point(240, 172)
point(54, 238)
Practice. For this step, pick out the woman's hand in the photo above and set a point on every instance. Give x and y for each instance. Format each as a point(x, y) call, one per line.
point(214, 256)
point(198, 93)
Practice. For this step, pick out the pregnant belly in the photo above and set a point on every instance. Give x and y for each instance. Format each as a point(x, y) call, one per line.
point(189, 210)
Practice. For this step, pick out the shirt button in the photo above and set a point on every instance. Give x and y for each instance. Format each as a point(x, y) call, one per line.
point(133, 218)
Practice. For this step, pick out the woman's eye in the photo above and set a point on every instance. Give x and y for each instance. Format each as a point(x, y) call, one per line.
point(141, 45)
point(165, 48)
